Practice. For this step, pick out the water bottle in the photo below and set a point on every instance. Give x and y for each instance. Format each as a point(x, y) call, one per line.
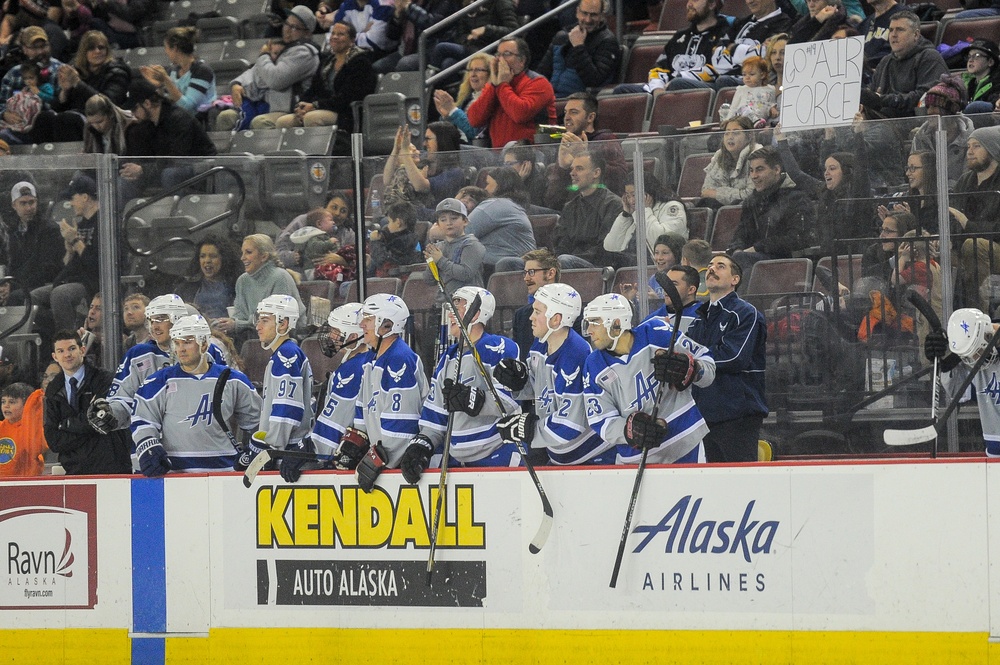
point(724, 111)
point(376, 204)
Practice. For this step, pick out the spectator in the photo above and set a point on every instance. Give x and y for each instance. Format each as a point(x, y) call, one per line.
point(541, 267)
point(33, 244)
point(875, 28)
point(22, 437)
point(879, 258)
point(579, 117)
point(419, 16)
point(916, 270)
point(921, 196)
point(339, 207)
point(982, 76)
point(587, 217)
point(585, 56)
point(436, 177)
point(688, 53)
point(264, 276)
point(370, 20)
point(501, 222)
point(521, 156)
point(27, 13)
point(35, 44)
point(459, 256)
point(664, 214)
point(472, 196)
point(282, 74)
point(735, 333)
point(697, 253)
point(453, 109)
point(516, 99)
point(23, 107)
point(190, 82)
point(474, 32)
point(775, 57)
point(344, 76)
point(902, 77)
point(686, 279)
point(122, 20)
point(978, 211)
point(666, 253)
point(727, 176)
point(777, 216)
point(948, 99)
point(77, 19)
point(165, 131)
point(90, 332)
point(81, 449)
point(395, 245)
point(134, 320)
point(755, 98)
point(290, 255)
point(108, 127)
point(825, 18)
point(211, 282)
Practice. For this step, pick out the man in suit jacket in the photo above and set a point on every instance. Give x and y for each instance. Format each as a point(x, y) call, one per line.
point(81, 449)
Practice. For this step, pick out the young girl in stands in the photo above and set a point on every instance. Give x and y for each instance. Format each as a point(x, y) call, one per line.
point(755, 97)
point(396, 244)
point(22, 438)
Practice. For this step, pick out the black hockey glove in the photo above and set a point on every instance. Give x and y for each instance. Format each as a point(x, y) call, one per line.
point(675, 369)
point(416, 458)
point(936, 346)
point(354, 445)
point(517, 427)
point(459, 397)
point(644, 431)
point(153, 460)
point(370, 466)
point(254, 448)
point(291, 467)
point(100, 417)
point(512, 373)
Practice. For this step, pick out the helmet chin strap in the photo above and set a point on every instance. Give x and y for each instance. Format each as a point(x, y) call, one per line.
point(614, 338)
point(548, 331)
point(278, 338)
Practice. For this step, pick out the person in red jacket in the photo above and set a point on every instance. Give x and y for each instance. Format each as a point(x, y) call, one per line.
point(516, 99)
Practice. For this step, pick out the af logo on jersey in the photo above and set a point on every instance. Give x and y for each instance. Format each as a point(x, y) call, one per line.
point(993, 389)
point(645, 388)
point(344, 380)
point(204, 411)
point(396, 376)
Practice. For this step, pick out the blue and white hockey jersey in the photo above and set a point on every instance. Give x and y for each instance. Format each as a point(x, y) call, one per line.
point(617, 387)
point(287, 410)
point(338, 412)
point(176, 407)
point(392, 392)
point(472, 438)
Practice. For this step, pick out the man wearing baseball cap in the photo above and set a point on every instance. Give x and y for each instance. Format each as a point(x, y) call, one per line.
point(982, 76)
point(459, 256)
point(34, 246)
point(35, 44)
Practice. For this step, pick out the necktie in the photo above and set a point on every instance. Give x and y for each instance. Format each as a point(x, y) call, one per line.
point(72, 392)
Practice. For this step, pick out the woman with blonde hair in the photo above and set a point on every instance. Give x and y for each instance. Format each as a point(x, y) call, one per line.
point(108, 127)
point(94, 70)
point(477, 75)
point(189, 82)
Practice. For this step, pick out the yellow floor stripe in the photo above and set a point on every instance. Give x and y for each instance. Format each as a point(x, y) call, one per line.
point(77, 646)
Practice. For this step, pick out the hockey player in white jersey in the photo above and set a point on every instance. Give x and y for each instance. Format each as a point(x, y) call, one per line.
point(342, 334)
point(622, 377)
point(969, 334)
point(474, 437)
point(553, 377)
point(115, 411)
point(174, 424)
point(287, 412)
point(393, 388)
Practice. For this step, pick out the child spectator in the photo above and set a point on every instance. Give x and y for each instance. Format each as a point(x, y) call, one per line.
point(459, 256)
point(755, 98)
point(697, 253)
point(22, 439)
point(76, 19)
point(396, 244)
point(25, 103)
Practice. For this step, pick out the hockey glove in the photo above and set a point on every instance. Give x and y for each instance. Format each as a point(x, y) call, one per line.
point(512, 373)
point(100, 417)
point(644, 431)
point(254, 448)
point(353, 447)
point(517, 427)
point(416, 458)
point(675, 369)
point(371, 465)
point(291, 467)
point(153, 460)
point(459, 397)
point(936, 346)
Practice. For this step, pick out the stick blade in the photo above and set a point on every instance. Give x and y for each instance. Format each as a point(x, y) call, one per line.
point(256, 464)
point(542, 535)
point(909, 437)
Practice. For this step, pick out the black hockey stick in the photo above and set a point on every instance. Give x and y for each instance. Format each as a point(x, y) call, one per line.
point(675, 301)
point(470, 311)
point(909, 437)
point(545, 527)
point(925, 308)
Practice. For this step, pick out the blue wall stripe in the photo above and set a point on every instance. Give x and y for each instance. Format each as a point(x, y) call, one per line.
point(149, 651)
point(149, 578)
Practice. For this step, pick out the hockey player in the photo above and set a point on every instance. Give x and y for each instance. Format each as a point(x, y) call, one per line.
point(622, 377)
point(287, 411)
point(474, 437)
point(342, 334)
point(174, 425)
point(393, 388)
point(553, 376)
point(686, 279)
point(140, 361)
point(969, 334)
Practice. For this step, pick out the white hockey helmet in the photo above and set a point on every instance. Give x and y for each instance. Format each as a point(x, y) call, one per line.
point(191, 326)
point(281, 307)
point(610, 308)
point(488, 304)
point(385, 307)
point(559, 299)
point(969, 332)
point(169, 304)
point(346, 319)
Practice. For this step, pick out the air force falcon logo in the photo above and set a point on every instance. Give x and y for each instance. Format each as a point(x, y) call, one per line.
point(287, 362)
point(396, 376)
point(498, 349)
point(570, 378)
point(344, 380)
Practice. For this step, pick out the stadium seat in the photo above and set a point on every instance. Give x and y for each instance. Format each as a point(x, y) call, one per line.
point(722, 96)
point(735, 8)
point(544, 227)
point(222, 140)
point(255, 361)
point(511, 293)
point(673, 16)
point(62, 148)
point(641, 59)
point(256, 141)
point(206, 207)
point(383, 114)
point(773, 277)
point(693, 176)
point(322, 367)
point(225, 71)
point(184, 8)
point(677, 109)
point(218, 29)
point(243, 49)
point(727, 220)
point(391, 285)
point(243, 10)
point(319, 288)
point(699, 223)
point(623, 114)
point(211, 51)
point(955, 31)
point(308, 140)
point(848, 271)
point(20, 344)
point(420, 296)
point(588, 282)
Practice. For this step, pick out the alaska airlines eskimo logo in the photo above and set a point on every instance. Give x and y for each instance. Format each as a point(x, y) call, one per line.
point(7, 450)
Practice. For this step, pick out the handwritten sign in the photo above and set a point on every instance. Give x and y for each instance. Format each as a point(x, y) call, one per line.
point(822, 83)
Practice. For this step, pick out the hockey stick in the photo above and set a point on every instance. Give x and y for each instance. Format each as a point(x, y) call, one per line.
point(675, 301)
point(545, 527)
point(928, 312)
point(471, 310)
point(220, 387)
point(909, 437)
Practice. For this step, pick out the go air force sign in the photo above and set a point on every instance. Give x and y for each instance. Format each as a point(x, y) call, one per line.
point(49, 538)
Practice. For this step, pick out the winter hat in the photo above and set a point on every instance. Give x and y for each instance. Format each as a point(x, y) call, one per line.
point(989, 138)
point(950, 95)
point(305, 15)
point(987, 46)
